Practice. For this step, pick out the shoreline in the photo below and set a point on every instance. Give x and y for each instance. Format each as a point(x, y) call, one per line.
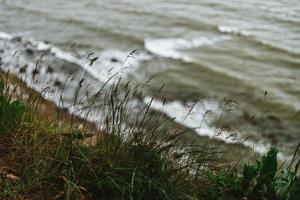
point(45, 106)
point(239, 150)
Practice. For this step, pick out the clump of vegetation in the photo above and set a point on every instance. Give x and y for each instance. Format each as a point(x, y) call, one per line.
point(11, 111)
point(43, 158)
point(260, 181)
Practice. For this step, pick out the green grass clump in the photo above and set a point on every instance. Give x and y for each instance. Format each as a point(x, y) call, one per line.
point(260, 181)
point(47, 159)
point(43, 158)
point(11, 111)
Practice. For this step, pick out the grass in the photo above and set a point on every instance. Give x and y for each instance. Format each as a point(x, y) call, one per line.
point(11, 111)
point(45, 158)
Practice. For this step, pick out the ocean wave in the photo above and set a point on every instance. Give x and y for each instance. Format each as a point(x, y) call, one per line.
point(5, 36)
point(279, 47)
point(272, 45)
point(172, 47)
point(112, 62)
point(199, 118)
point(233, 30)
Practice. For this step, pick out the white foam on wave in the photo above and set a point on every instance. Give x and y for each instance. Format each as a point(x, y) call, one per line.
point(233, 30)
point(195, 116)
point(104, 68)
point(5, 36)
point(192, 116)
point(171, 47)
point(114, 61)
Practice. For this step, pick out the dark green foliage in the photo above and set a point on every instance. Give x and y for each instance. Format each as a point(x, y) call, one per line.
point(224, 185)
point(262, 181)
point(294, 190)
point(11, 112)
point(258, 181)
point(288, 185)
point(102, 171)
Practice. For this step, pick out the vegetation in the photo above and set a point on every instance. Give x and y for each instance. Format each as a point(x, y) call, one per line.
point(260, 181)
point(45, 158)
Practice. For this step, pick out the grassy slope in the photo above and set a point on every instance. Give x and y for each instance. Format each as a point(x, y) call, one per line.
point(44, 155)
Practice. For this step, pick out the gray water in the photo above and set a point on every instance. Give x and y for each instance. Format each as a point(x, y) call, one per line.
point(233, 49)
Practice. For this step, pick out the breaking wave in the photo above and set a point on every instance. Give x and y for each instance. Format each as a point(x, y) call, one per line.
point(173, 47)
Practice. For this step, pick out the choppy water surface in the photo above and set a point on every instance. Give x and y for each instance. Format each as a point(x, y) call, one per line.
point(234, 49)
